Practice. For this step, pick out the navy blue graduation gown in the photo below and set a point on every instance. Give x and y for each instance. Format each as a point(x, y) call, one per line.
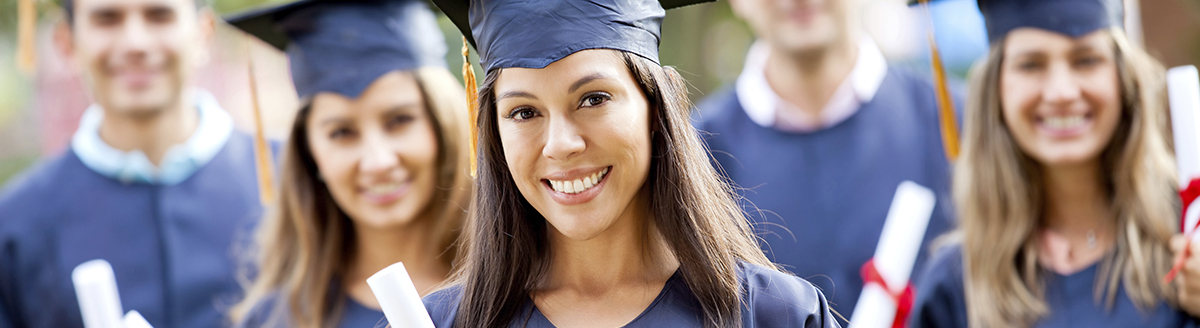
point(822, 197)
point(770, 299)
point(354, 315)
point(172, 247)
point(943, 303)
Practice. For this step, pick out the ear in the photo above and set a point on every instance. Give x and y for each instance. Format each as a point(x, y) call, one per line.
point(64, 40)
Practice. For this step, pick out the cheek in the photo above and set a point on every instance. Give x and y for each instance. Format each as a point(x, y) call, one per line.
point(419, 149)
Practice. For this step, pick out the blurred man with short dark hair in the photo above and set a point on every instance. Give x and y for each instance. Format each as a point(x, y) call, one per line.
point(156, 181)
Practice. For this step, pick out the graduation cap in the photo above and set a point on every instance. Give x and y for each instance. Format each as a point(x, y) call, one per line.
point(535, 33)
point(1074, 18)
point(340, 47)
point(343, 46)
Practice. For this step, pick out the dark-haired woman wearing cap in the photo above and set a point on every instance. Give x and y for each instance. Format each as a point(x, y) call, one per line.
point(596, 203)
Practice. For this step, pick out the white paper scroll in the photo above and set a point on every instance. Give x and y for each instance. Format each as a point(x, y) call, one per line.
point(1183, 90)
point(399, 298)
point(96, 288)
point(133, 319)
point(899, 244)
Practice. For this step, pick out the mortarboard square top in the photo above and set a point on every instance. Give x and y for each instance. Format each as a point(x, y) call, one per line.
point(344, 46)
point(535, 33)
point(1074, 18)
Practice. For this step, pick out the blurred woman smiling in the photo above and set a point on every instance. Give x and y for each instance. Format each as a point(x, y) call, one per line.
point(374, 172)
point(1065, 186)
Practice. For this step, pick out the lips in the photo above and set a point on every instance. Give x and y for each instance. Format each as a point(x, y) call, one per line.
point(577, 186)
point(1064, 125)
point(384, 192)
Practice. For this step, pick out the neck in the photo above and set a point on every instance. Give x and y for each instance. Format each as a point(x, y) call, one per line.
point(151, 134)
point(632, 251)
point(376, 248)
point(807, 80)
point(1076, 198)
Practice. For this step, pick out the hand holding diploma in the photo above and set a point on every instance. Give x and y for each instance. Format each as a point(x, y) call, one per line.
point(398, 297)
point(99, 302)
point(1183, 89)
point(883, 298)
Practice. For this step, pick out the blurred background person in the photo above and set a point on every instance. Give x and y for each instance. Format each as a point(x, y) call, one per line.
point(821, 131)
point(156, 180)
point(375, 170)
point(1066, 186)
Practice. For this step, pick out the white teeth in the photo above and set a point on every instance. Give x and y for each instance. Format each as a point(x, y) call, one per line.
point(1064, 122)
point(383, 189)
point(578, 185)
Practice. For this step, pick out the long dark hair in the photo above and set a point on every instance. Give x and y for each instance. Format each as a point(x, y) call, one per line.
point(505, 245)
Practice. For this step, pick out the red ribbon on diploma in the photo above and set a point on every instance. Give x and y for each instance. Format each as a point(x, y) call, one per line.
point(904, 299)
point(1187, 195)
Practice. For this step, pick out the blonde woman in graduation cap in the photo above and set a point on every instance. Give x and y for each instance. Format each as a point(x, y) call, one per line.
point(1065, 188)
point(375, 169)
point(596, 203)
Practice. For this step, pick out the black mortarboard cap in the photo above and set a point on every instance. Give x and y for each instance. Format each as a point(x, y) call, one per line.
point(535, 33)
point(344, 46)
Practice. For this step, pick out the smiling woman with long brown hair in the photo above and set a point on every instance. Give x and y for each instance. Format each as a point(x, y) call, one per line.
point(596, 204)
point(375, 170)
point(1065, 185)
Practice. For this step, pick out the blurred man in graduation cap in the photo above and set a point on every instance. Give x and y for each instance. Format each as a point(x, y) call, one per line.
point(156, 181)
point(375, 170)
point(820, 130)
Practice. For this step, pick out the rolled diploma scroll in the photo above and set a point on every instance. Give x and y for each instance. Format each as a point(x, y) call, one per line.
point(898, 246)
point(398, 297)
point(133, 319)
point(1183, 90)
point(96, 288)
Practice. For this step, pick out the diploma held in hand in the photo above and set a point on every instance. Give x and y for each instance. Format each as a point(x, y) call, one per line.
point(899, 244)
point(1183, 90)
point(96, 288)
point(398, 297)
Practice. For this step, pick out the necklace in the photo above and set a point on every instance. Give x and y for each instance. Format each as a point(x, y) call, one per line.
point(1091, 238)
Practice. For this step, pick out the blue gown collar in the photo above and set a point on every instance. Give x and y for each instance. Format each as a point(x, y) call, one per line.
point(180, 161)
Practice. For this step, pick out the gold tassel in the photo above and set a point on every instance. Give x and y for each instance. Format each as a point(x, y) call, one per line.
point(949, 121)
point(262, 154)
point(26, 36)
point(472, 101)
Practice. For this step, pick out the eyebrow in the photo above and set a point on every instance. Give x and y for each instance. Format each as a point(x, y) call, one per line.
point(585, 80)
point(514, 94)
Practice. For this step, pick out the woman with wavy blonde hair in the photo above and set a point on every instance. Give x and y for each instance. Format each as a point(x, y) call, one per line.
point(1065, 189)
point(375, 170)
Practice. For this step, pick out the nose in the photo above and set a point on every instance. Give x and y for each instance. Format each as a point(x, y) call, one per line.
point(563, 139)
point(135, 37)
point(1062, 86)
point(377, 155)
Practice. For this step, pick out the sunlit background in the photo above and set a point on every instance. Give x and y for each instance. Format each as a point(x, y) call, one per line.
point(39, 112)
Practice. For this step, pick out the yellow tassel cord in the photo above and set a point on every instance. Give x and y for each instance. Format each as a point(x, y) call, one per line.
point(472, 101)
point(949, 123)
point(262, 154)
point(26, 36)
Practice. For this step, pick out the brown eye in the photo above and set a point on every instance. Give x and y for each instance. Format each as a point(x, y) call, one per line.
point(595, 99)
point(522, 114)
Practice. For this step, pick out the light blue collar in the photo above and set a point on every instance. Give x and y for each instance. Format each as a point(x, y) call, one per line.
point(179, 162)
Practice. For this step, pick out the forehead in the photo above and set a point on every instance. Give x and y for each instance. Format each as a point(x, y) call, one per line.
point(81, 5)
point(559, 76)
point(1027, 40)
point(394, 90)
